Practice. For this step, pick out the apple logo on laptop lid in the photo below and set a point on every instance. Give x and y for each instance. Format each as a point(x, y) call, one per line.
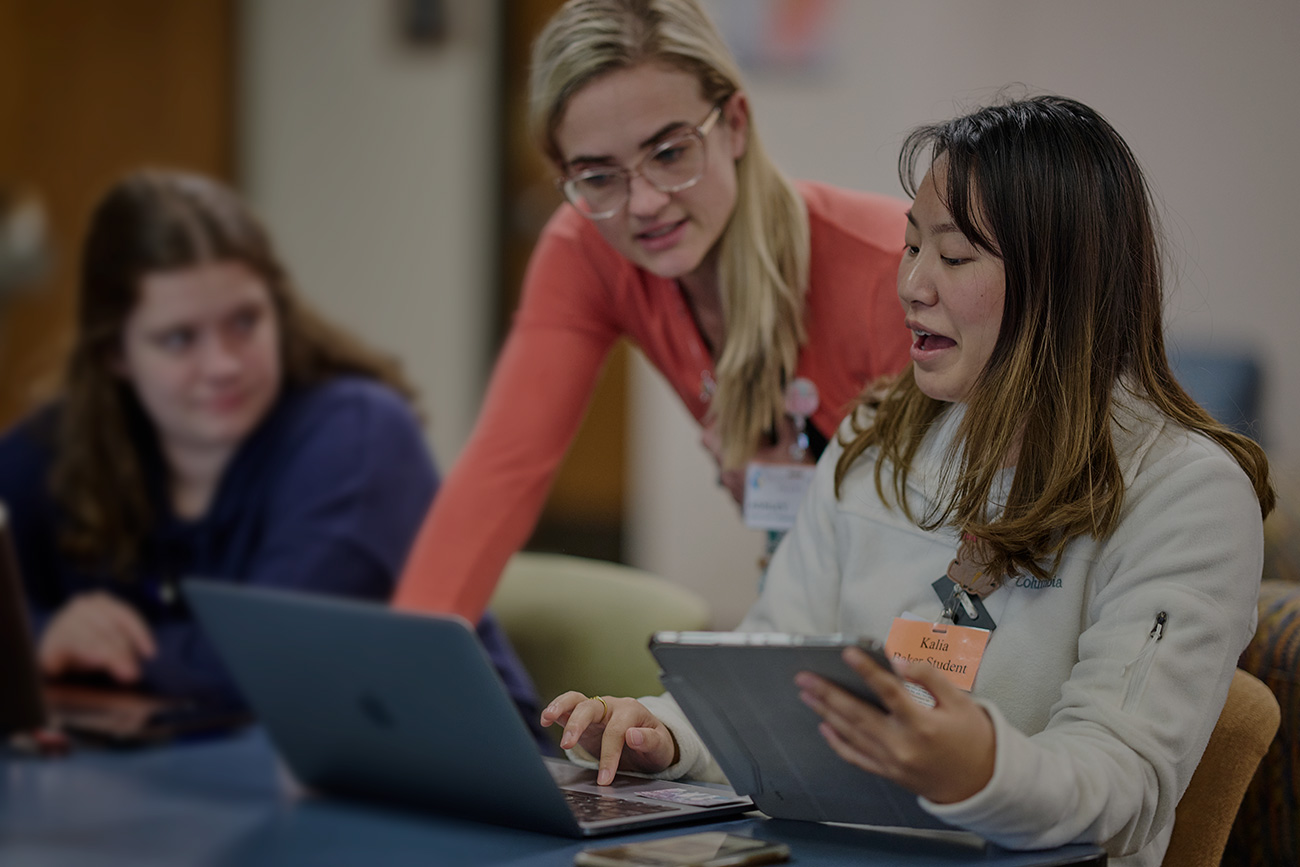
point(376, 711)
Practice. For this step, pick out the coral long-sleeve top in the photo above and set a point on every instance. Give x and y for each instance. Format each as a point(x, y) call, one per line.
point(579, 297)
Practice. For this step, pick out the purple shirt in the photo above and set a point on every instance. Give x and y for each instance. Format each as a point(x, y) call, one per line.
point(324, 496)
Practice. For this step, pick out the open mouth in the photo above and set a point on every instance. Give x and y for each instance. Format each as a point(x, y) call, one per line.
point(926, 341)
point(659, 231)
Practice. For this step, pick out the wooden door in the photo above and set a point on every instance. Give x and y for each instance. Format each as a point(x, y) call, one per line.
point(89, 90)
point(584, 514)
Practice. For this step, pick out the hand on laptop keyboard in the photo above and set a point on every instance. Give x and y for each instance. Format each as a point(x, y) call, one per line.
point(589, 807)
point(620, 732)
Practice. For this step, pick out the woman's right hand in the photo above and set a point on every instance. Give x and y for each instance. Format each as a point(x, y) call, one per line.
point(96, 632)
point(620, 732)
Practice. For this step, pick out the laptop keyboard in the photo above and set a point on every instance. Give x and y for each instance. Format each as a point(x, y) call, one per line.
point(588, 807)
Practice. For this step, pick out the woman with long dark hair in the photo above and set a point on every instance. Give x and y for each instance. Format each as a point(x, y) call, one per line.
point(209, 423)
point(1039, 460)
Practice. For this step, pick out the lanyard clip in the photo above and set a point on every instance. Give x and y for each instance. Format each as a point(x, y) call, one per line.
point(961, 608)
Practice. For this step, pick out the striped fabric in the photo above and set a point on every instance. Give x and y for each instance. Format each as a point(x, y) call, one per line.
point(1282, 529)
point(1267, 830)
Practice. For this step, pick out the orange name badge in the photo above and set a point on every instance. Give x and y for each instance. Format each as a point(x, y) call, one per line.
point(954, 650)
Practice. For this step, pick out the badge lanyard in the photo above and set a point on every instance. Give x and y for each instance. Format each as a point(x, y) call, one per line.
point(774, 491)
point(801, 401)
point(963, 585)
point(954, 643)
point(699, 349)
point(961, 607)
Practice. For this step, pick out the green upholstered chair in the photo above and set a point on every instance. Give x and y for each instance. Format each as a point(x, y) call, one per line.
point(584, 624)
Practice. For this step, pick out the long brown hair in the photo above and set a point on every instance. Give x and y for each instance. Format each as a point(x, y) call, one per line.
point(149, 221)
point(764, 250)
point(1048, 186)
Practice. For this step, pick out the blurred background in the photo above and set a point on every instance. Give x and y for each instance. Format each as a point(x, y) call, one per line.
point(383, 143)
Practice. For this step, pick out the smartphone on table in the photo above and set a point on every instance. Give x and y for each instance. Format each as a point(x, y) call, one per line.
point(707, 849)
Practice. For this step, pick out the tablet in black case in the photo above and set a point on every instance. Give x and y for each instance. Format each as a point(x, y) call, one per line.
point(738, 691)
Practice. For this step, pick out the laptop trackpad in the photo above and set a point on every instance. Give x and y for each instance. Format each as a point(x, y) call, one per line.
point(681, 794)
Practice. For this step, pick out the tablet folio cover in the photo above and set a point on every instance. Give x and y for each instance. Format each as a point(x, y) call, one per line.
point(744, 704)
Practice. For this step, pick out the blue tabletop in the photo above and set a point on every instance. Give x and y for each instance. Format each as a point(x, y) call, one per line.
point(227, 801)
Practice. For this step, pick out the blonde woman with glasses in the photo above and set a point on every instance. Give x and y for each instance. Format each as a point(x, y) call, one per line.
point(766, 305)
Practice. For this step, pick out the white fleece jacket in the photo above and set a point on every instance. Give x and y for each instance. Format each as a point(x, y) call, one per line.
point(1099, 725)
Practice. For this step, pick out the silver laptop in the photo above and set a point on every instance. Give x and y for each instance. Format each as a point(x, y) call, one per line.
point(364, 701)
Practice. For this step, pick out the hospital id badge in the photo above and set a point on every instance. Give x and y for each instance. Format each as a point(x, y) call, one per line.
point(956, 651)
point(774, 492)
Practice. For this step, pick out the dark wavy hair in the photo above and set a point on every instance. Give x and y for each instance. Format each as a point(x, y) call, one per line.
point(149, 221)
point(1047, 185)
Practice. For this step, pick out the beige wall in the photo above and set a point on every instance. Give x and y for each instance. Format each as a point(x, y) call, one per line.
point(1205, 93)
point(370, 162)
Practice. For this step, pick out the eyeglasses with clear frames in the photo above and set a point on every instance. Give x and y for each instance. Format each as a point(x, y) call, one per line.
point(672, 166)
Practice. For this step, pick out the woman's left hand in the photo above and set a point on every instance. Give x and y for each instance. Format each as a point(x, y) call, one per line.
point(944, 753)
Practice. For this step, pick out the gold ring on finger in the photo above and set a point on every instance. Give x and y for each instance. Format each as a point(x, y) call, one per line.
point(602, 704)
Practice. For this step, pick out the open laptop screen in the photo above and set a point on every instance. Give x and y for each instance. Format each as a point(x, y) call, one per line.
point(21, 706)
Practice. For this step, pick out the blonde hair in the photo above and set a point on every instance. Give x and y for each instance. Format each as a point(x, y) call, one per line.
point(763, 252)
